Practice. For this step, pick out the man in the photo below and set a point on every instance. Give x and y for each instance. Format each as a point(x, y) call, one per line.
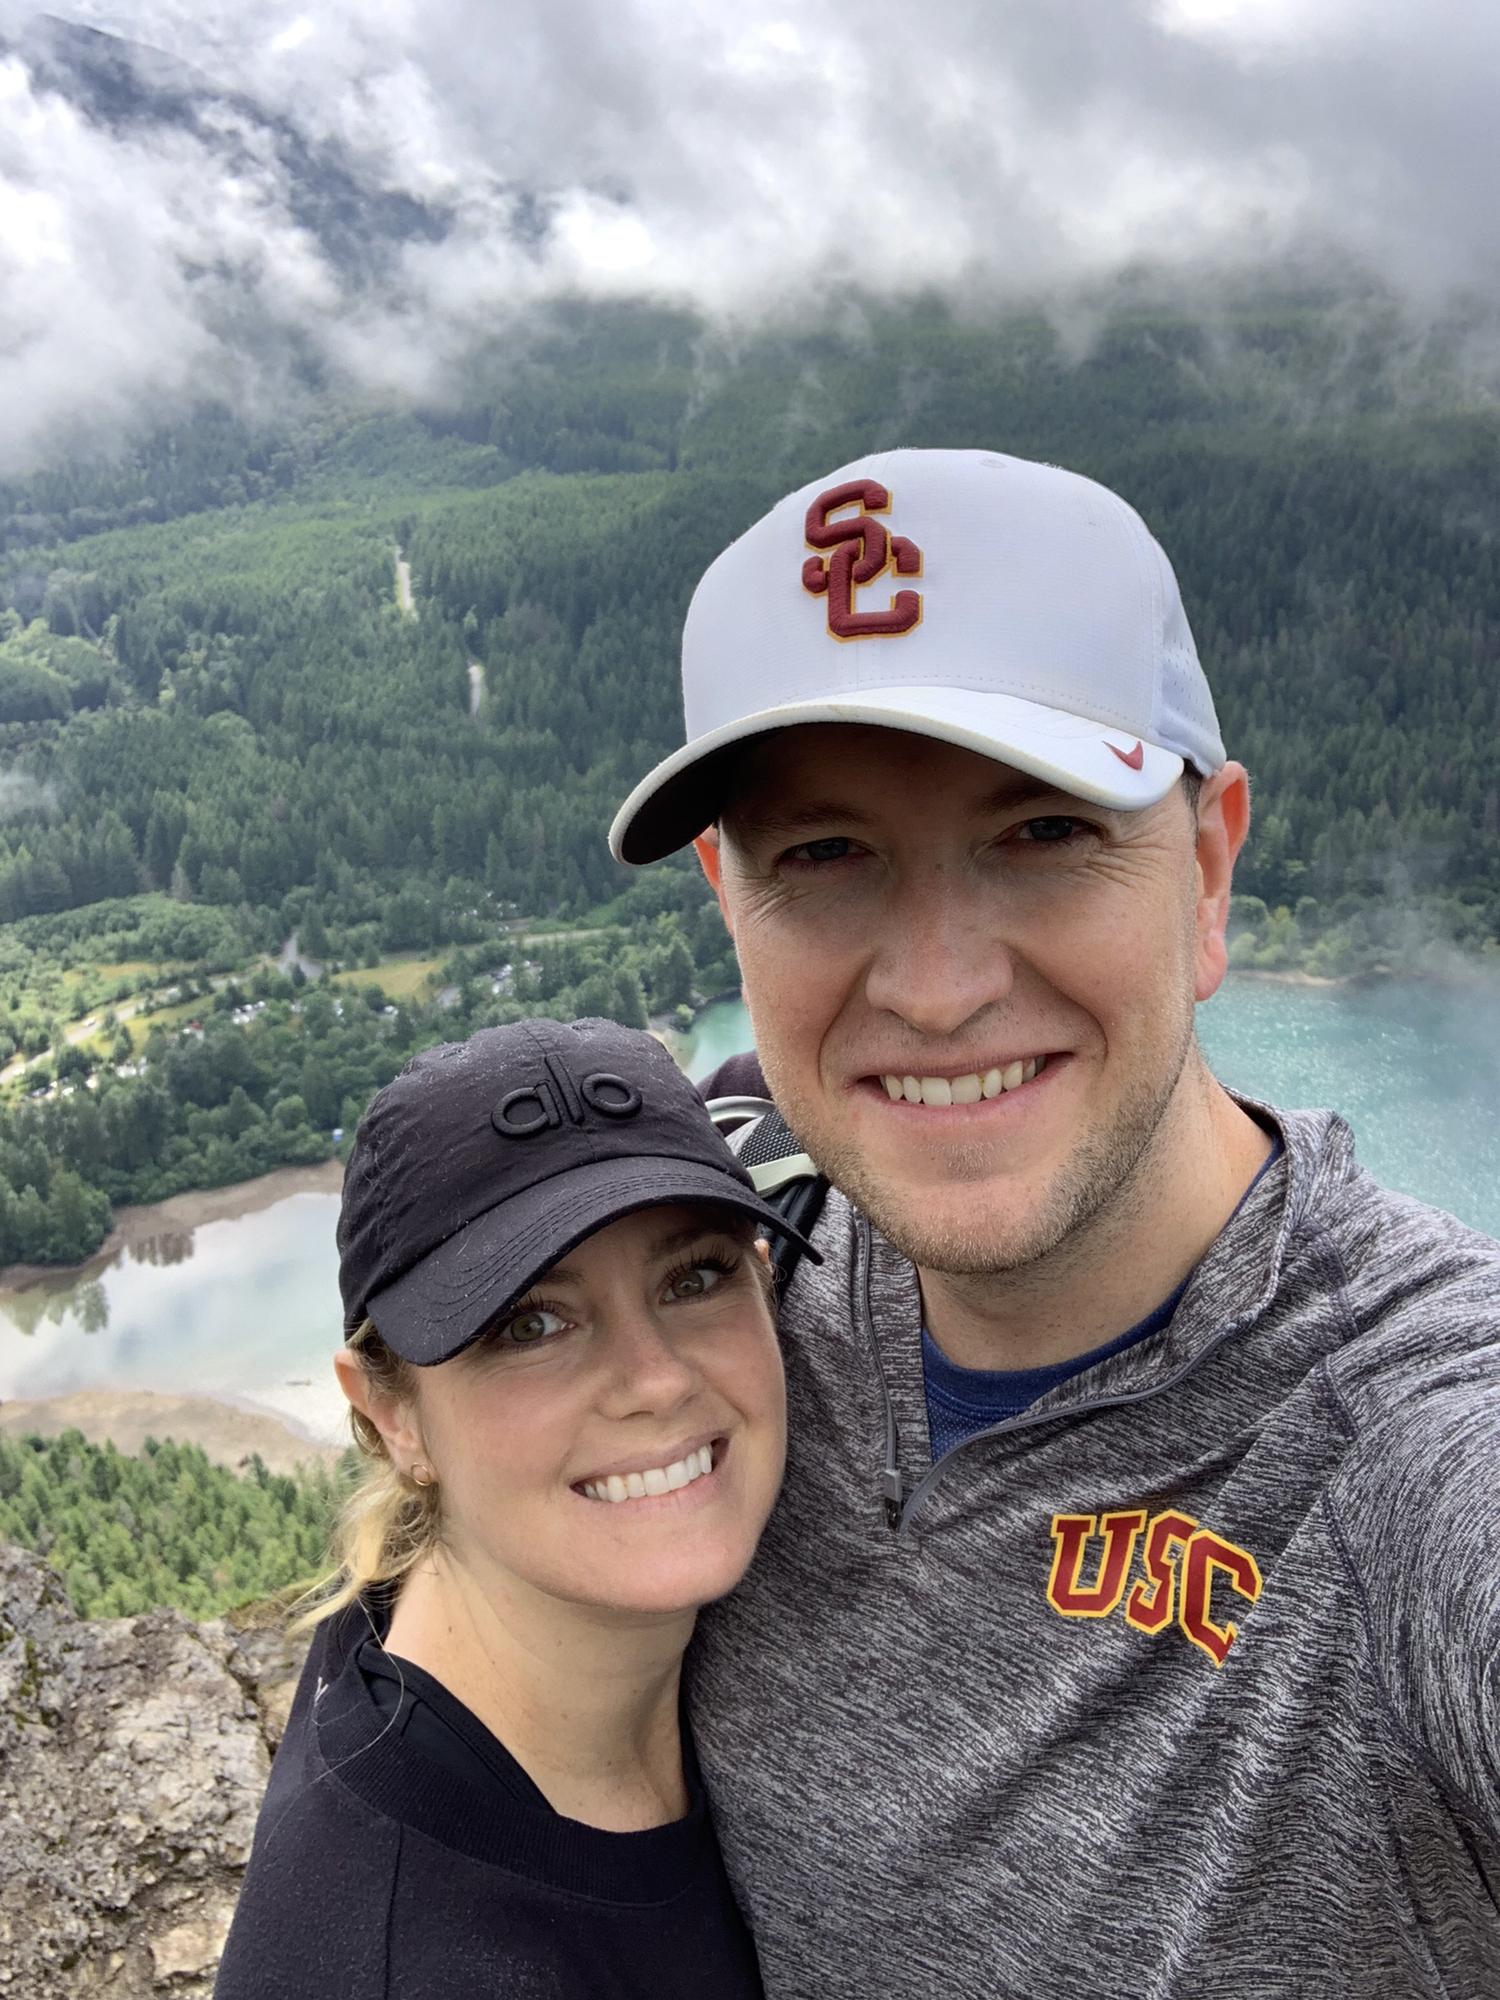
point(1130, 1624)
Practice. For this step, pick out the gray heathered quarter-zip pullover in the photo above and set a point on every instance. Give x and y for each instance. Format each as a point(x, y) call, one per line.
point(1185, 1682)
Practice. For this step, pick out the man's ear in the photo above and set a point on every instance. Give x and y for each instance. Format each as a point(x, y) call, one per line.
point(1223, 822)
point(711, 861)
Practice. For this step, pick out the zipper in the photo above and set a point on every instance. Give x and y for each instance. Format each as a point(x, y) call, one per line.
point(892, 1486)
point(901, 1506)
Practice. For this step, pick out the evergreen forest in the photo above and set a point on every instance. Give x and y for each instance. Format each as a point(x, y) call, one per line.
point(167, 1527)
point(310, 733)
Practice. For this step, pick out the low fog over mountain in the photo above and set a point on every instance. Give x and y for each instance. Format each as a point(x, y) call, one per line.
point(204, 200)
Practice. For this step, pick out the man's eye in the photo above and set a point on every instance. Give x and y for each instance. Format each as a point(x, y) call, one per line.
point(1050, 830)
point(815, 853)
point(527, 1328)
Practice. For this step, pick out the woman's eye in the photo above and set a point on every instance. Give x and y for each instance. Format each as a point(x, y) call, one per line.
point(529, 1327)
point(696, 1281)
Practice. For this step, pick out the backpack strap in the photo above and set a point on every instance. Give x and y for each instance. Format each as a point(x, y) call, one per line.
point(783, 1173)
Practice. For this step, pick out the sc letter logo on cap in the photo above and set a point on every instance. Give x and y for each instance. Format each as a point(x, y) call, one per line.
point(862, 549)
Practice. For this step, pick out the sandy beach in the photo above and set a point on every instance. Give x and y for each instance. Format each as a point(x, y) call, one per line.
point(227, 1432)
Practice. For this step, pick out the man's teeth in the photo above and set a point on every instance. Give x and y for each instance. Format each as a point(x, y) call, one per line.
point(944, 1090)
point(658, 1479)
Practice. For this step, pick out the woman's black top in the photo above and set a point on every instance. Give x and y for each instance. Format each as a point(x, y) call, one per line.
point(403, 1854)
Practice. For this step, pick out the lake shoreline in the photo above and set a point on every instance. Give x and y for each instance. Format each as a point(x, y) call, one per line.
point(195, 1207)
point(1294, 976)
point(181, 1213)
point(1461, 973)
point(228, 1431)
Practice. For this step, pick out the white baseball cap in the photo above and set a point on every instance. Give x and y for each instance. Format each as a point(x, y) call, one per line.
point(1007, 607)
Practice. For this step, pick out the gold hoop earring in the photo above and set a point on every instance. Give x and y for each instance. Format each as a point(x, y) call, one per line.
point(421, 1474)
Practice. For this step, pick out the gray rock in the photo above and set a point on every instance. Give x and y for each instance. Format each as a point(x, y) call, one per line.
point(133, 1756)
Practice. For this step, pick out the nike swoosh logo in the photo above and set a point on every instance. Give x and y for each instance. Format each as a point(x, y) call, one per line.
point(1134, 758)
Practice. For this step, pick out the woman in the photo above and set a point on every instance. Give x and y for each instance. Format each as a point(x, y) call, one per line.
point(562, 1365)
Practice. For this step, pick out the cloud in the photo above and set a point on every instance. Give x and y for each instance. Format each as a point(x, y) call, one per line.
point(20, 794)
point(367, 189)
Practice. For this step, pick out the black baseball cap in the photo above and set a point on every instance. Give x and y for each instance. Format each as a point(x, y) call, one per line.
point(485, 1161)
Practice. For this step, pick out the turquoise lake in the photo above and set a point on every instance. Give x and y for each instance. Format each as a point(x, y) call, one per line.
point(1414, 1068)
point(248, 1308)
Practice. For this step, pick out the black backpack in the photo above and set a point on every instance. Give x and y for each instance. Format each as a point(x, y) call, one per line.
point(784, 1175)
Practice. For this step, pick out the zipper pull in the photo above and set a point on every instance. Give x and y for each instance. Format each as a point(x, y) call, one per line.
point(893, 1492)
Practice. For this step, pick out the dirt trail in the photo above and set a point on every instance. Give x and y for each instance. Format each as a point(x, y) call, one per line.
point(291, 954)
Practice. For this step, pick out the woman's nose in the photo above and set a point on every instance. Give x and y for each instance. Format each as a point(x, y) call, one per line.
point(645, 1372)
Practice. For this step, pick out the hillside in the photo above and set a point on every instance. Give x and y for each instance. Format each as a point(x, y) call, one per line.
point(221, 729)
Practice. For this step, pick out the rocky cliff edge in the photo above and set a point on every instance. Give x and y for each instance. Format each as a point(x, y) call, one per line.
point(133, 1756)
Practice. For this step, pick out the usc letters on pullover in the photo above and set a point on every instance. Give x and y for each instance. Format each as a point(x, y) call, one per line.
point(1186, 1681)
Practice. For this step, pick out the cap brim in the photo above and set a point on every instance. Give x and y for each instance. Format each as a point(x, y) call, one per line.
point(1089, 760)
point(442, 1303)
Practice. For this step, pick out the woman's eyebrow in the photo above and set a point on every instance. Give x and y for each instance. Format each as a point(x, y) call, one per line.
point(671, 1239)
point(679, 1239)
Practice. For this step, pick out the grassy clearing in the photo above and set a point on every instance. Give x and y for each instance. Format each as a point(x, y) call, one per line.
point(139, 968)
point(99, 1040)
point(139, 1026)
point(85, 986)
point(87, 989)
point(402, 976)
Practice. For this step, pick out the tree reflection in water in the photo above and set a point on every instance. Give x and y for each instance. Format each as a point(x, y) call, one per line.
point(91, 1306)
point(86, 1300)
point(171, 1246)
point(87, 1303)
point(244, 1307)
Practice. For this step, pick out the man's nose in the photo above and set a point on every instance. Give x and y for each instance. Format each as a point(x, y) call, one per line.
point(941, 954)
point(645, 1373)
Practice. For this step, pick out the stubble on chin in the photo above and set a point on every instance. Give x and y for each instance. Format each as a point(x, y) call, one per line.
point(1101, 1175)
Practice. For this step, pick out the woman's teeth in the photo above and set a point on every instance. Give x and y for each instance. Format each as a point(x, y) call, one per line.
point(657, 1480)
point(944, 1090)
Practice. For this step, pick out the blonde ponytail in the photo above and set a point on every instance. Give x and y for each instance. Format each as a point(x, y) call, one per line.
point(389, 1522)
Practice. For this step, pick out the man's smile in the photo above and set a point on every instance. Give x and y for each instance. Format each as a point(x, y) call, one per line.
point(966, 1087)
